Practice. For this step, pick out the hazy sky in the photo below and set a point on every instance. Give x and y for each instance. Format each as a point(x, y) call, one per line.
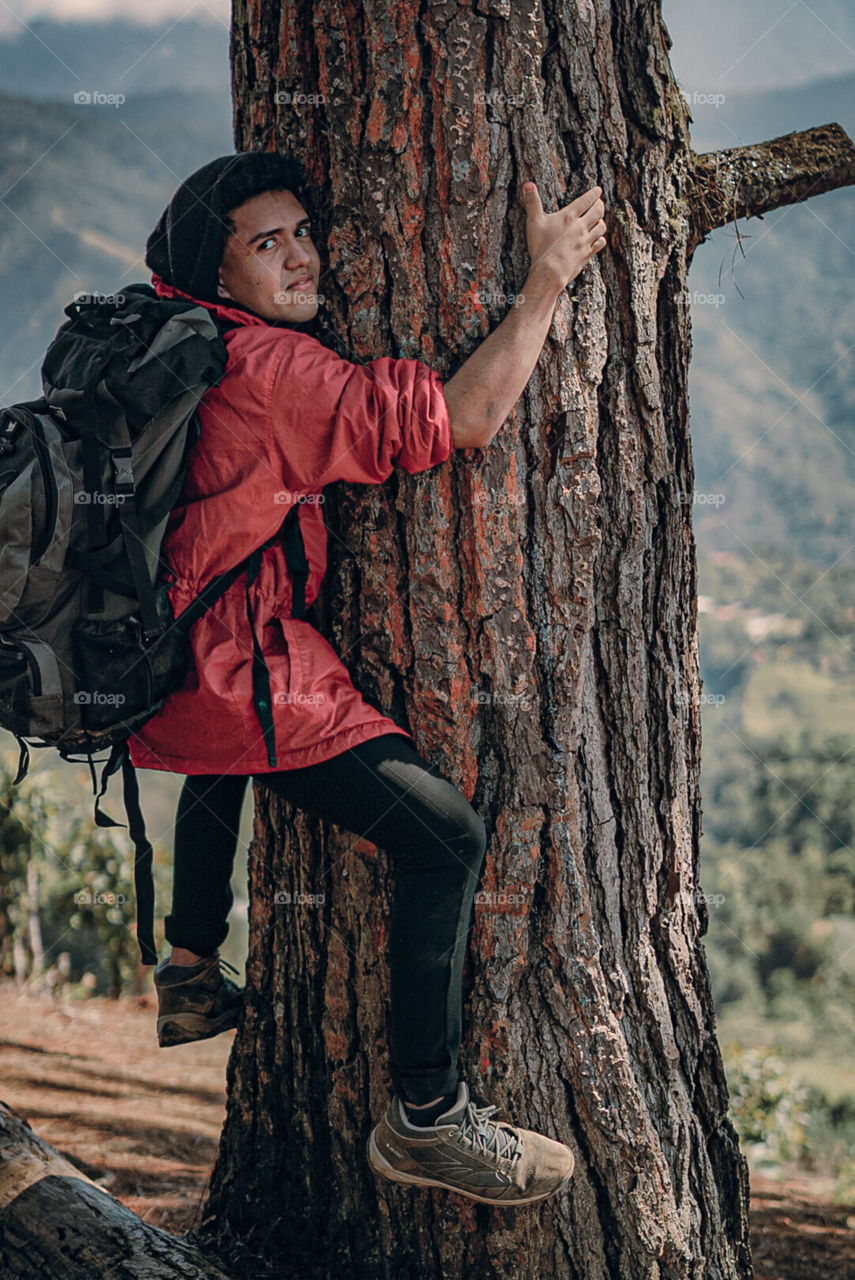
point(764, 44)
point(718, 44)
point(14, 12)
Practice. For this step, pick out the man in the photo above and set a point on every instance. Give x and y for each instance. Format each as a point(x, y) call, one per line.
point(267, 696)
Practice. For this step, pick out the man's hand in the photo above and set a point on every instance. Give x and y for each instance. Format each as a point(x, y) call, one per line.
point(560, 244)
point(487, 386)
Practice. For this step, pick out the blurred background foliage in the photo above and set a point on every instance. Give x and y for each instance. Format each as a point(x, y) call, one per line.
point(67, 913)
point(777, 851)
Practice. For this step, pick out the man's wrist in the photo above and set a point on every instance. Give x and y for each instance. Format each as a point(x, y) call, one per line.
point(542, 285)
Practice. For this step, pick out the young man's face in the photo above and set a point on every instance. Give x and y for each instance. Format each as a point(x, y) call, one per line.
point(270, 264)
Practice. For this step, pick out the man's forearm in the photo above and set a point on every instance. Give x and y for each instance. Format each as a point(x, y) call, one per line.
point(482, 393)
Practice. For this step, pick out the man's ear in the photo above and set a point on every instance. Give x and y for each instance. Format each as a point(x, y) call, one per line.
point(222, 291)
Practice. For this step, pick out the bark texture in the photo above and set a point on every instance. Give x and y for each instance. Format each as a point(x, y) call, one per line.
point(528, 611)
point(57, 1224)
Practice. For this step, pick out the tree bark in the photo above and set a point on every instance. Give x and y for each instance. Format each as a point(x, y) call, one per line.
point(528, 611)
point(57, 1224)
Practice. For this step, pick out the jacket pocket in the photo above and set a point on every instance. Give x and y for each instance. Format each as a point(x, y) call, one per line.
point(320, 685)
point(284, 663)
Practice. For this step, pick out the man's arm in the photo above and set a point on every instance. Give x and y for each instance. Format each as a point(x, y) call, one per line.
point(487, 386)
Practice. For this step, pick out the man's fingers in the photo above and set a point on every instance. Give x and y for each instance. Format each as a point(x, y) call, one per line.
point(587, 206)
point(583, 203)
point(593, 215)
point(531, 200)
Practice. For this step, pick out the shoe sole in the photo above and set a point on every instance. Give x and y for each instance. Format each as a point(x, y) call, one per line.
point(381, 1166)
point(183, 1028)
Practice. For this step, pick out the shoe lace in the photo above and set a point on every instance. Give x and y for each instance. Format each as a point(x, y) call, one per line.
point(488, 1136)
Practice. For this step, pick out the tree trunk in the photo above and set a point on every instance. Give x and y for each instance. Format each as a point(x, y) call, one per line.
point(57, 1224)
point(528, 611)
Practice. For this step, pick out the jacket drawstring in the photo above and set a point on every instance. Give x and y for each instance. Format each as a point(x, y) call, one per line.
point(298, 568)
point(261, 697)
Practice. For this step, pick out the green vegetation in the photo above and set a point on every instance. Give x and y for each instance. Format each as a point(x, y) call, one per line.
point(769, 1106)
point(778, 848)
point(67, 910)
point(51, 850)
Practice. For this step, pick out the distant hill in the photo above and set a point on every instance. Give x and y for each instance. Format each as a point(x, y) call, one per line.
point(81, 189)
point(772, 378)
point(82, 184)
point(744, 117)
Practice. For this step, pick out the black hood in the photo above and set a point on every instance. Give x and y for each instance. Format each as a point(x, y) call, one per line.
point(186, 247)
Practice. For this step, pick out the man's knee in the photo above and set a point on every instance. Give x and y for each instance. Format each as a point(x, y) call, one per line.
point(471, 839)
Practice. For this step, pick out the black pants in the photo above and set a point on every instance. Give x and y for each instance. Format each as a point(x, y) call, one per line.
point(384, 791)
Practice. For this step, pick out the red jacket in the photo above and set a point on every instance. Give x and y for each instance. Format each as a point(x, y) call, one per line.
point(288, 417)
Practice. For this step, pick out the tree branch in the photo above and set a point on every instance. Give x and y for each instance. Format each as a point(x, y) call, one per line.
point(746, 182)
point(54, 1221)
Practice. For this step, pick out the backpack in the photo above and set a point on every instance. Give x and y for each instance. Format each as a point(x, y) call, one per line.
point(89, 472)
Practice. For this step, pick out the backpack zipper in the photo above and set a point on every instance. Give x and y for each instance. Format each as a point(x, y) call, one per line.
point(42, 452)
point(20, 649)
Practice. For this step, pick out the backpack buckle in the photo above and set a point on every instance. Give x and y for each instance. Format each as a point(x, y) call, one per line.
point(10, 425)
point(124, 470)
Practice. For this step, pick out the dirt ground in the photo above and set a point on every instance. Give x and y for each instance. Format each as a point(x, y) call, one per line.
point(144, 1122)
point(92, 1081)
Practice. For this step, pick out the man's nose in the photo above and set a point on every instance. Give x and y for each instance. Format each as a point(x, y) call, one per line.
point(297, 255)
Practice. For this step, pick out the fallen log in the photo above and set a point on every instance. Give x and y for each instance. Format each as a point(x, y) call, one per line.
point(57, 1224)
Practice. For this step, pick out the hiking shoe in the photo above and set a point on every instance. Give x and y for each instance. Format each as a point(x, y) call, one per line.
point(195, 1001)
point(467, 1152)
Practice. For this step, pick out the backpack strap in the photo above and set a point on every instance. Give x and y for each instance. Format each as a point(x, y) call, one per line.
point(125, 487)
point(143, 878)
point(143, 852)
point(262, 697)
point(23, 760)
point(209, 594)
point(298, 565)
point(96, 516)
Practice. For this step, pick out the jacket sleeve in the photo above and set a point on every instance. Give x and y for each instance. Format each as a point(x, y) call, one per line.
point(334, 420)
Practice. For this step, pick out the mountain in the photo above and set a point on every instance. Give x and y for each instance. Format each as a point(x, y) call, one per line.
point(745, 117)
point(80, 190)
point(771, 385)
point(83, 182)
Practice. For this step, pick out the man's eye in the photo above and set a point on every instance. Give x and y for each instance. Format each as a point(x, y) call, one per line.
point(271, 240)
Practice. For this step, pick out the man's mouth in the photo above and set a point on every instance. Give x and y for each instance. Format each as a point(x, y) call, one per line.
point(305, 283)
